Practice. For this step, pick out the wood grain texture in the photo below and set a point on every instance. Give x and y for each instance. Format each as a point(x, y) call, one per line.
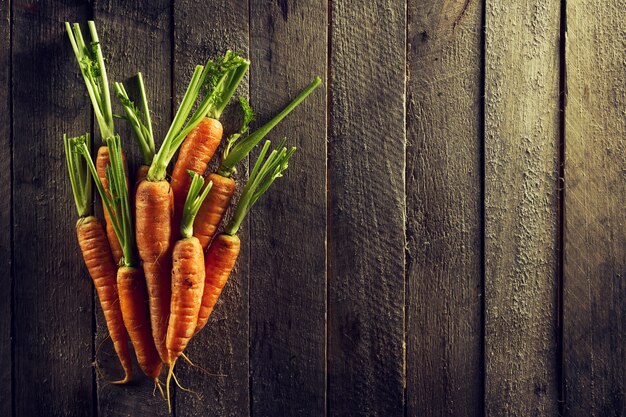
point(366, 284)
point(288, 292)
point(5, 210)
point(444, 221)
point(595, 219)
point(52, 292)
point(521, 166)
point(203, 32)
point(135, 37)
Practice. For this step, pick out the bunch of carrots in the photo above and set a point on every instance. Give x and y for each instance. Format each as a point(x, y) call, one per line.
point(158, 263)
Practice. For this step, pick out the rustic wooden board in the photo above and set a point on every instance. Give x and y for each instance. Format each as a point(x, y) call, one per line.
point(288, 225)
point(5, 211)
point(201, 32)
point(595, 197)
point(135, 38)
point(444, 220)
point(521, 166)
point(366, 281)
point(52, 290)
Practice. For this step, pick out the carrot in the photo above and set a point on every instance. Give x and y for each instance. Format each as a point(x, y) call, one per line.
point(224, 250)
point(154, 198)
point(97, 255)
point(187, 278)
point(130, 277)
point(237, 148)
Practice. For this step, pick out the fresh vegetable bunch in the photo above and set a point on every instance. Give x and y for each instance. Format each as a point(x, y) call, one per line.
point(159, 265)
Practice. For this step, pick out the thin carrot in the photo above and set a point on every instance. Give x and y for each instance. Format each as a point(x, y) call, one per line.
point(201, 143)
point(155, 202)
point(222, 255)
point(237, 148)
point(187, 279)
point(130, 277)
point(97, 255)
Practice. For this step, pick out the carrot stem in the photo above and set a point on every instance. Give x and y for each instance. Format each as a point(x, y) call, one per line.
point(194, 200)
point(242, 147)
point(139, 119)
point(263, 174)
point(79, 176)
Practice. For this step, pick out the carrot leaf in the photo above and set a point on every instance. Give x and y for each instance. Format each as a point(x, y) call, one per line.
point(195, 197)
point(265, 171)
point(139, 119)
point(91, 63)
point(242, 146)
point(79, 175)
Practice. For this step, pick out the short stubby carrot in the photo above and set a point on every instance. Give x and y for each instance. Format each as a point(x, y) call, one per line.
point(97, 254)
point(213, 208)
point(194, 155)
point(219, 262)
point(102, 161)
point(134, 306)
point(188, 279)
point(154, 205)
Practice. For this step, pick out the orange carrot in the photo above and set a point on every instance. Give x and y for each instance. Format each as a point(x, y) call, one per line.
point(194, 155)
point(154, 205)
point(187, 278)
point(224, 250)
point(237, 148)
point(97, 255)
point(218, 264)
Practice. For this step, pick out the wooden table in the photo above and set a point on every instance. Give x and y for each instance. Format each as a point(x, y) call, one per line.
point(449, 239)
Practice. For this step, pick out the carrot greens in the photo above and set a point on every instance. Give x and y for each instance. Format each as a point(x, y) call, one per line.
point(195, 197)
point(79, 175)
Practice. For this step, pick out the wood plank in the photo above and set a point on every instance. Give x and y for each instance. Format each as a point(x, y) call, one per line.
point(288, 225)
point(52, 291)
point(366, 284)
point(521, 166)
point(5, 210)
point(222, 346)
point(135, 38)
point(444, 218)
point(595, 197)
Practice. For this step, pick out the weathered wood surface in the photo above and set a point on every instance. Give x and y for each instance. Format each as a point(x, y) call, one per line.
point(135, 37)
point(288, 292)
point(594, 350)
point(521, 167)
point(444, 219)
point(52, 293)
point(407, 263)
point(202, 32)
point(5, 211)
point(366, 171)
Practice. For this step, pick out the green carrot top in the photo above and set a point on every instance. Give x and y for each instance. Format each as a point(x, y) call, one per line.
point(238, 146)
point(263, 174)
point(91, 63)
point(195, 197)
point(79, 175)
point(116, 201)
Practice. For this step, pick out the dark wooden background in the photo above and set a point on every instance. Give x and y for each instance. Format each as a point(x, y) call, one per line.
point(449, 240)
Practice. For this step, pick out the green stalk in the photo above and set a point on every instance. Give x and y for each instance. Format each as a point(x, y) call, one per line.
point(116, 201)
point(139, 119)
point(263, 174)
point(221, 77)
point(193, 202)
point(91, 63)
point(242, 147)
point(79, 176)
